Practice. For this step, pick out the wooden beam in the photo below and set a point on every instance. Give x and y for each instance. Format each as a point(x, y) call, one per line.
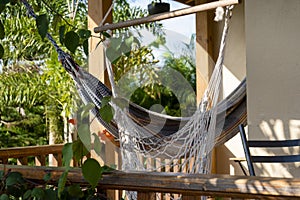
point(190, 184)
point(96, 12)
point(204, 64)
point(19, 152)
point(167, 15)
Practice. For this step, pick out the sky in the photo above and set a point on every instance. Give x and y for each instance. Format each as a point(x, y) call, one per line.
point(184, 25)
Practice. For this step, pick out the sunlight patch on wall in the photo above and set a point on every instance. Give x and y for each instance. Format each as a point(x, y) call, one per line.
point(230, 82)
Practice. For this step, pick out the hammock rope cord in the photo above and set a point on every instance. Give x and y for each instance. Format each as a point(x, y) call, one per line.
point(192, 143)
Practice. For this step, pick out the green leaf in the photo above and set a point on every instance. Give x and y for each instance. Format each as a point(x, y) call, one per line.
point(124, 48)
point(47, 177)
point(50, 194)
point(106, 34)
point(71, 41)
point(4, 197)
point(106, 112)
point(97, 144)
point(62, 182)
point(79, 150)
point(38, 193)
point(4, 2)
point(14, 178)
point(106, 100)
point(75, 191)
point(129, 41)
point(2, 32)
point(13, 2)
point(84, 134)
point(67, 153)
point(42, 23)
point(86, 110)
point(84, 33)
point(62, 34)
point(106, 168)
point(1, 174)
point(56, 20)
point(2, 7)
point(85, 45)
point(27, 194)
point(91, 171)
point(111, 54)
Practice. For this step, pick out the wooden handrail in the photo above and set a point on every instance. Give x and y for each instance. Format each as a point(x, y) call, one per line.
point(166, 15)
point(190, 184)
point(18, 152)
point(39, 152)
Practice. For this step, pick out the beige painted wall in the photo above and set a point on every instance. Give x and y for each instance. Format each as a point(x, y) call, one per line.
point(264, 37)
point(233, 72)
point(273, 75)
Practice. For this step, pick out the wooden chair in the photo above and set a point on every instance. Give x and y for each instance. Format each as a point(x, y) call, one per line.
point(247, 144)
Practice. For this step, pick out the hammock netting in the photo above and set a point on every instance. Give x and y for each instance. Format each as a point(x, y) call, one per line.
point(145, 136)
point(189, 147)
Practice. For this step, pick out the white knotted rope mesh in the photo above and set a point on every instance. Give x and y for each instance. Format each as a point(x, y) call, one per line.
point(189, 149)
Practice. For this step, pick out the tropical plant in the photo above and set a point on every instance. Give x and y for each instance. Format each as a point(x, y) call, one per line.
point(123, 12)
point(22, 120)
point(34, 50)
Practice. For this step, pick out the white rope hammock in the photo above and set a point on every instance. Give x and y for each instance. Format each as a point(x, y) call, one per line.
point(190, 147)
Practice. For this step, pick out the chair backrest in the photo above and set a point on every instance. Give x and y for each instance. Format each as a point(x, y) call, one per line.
point(247, 144)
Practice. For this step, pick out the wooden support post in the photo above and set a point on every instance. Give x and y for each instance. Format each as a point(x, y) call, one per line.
point(146, 195)
point(96, 11)
point(204, 60)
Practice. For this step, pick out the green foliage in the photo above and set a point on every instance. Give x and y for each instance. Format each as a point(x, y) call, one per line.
point(2, 33)
point(1, 51)
point(42, 24)
point(68, 154)
point(62, 183)
point(75, 191)
point(91, 171)
point(23, 36)
point(106, 111)
point(97, 144)
point(14, 186)
point(79, 151)
point(137, 65)
point(84, 134)
point(71, 41)
point(123, 12)
point(45, 93)
point(22, 120)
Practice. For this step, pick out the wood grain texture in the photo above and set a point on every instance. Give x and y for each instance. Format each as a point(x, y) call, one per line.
point(166, 15)
point(186, 184)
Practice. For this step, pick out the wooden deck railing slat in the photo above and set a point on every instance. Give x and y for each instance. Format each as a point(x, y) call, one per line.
point(186, 184)
point(147, 183)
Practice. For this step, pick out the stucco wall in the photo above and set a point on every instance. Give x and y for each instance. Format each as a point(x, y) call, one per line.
point(263, 43)
point(234, 72)
point(273, 75)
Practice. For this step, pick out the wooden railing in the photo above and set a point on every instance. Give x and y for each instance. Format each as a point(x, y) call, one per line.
point(191, 186)
point(40, 153)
